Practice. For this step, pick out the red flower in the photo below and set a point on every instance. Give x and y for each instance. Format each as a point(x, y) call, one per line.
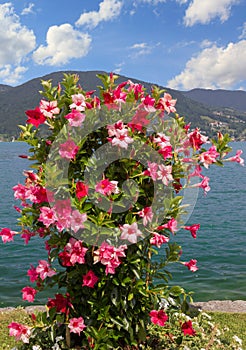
point(187, 328)
point(191, 265)
point(193, 229)
point(81, 190)
point(35, 117)
point(61, 303)
point(158, 317)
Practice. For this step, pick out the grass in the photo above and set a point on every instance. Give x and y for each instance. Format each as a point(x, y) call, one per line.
point(236, 322)
point(6, 317)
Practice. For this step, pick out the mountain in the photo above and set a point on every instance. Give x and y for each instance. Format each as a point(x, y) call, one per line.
point(4, 87)
point(14, 101)
point(219, 98)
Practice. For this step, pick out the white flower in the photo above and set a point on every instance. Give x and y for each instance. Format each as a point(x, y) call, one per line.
point(59, 338)
point(56, 347)
point(237, 339)
point(218, 332)
point(36, 347)
point(206, 315)
point(211, 324)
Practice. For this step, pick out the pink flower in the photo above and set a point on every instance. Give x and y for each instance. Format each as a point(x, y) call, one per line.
point(75, 118)
point(48, 108)
point(197, 172)
point(148, 103)
point(68, 150)
point(209, 157)
point(7, 235)
point(166, 152)
point(44, 270)
point(78, 102)
point(139, 120)
point(147, 215)
point(107, 187)
point(114, 128)
point(237, 158)
point(90, 279)
point(32, 273)
point(121, 139)
point(76, 325)
point(26, 235)
point(167, 103)
point(29, 294)
point(19, 331)
point(187, 328)
point(109, 256)
point(158, 239)
point(31, 177)
point(74, 252)
point(41, 194)
point(130, 232)
point(162, 140)
point(63, 210)
point(193, 229)
point(137, 89)
point(22, 192)
point(197, 139)
point(77, 220)
point(204, 184)
point(165, 173)
point(170, 225)
point(47, 216)
point(152, 170)
point(158, 317)
point(191, 265)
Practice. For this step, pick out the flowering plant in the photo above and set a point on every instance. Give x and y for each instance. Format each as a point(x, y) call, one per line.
point(111, 173)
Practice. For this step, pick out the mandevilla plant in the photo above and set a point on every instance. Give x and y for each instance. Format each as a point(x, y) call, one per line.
point(106, 193)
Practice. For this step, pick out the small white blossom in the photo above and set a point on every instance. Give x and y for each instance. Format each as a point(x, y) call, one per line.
point(237, 339)
point(36, 347)
point(218, 332)
point(207, 316)
point(211, 324)
point(56, 347)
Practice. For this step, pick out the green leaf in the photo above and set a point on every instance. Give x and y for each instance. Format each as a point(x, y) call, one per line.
point(176, 291)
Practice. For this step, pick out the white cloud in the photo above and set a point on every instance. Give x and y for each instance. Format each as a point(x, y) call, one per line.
point(243, 34)
point(63, 44)
point(140, 49)
point(119, 67)
point(206, 43)
point(203, 11)
point(16, 42)
point(28, 9)
point(214, 67)
point(12, 75)
point(108, 10)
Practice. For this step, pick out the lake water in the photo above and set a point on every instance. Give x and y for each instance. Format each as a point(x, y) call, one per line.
point(219, 247)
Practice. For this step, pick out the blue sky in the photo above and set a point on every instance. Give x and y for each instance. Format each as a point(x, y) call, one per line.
point(182, 44)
